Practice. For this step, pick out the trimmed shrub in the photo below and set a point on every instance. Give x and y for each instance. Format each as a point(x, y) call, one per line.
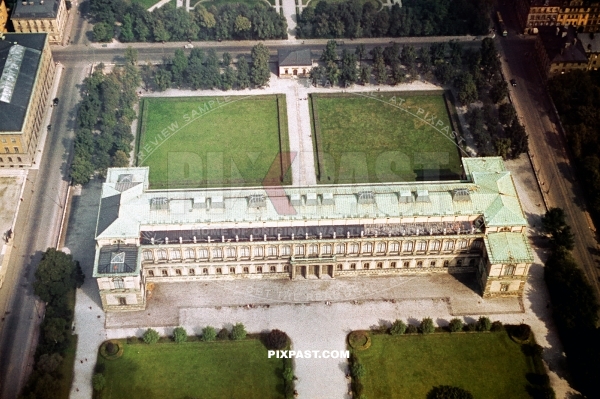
point(398, 327)
point(179, 335)
point(411, 329)
point(448, 392)
point(484, 324)
point(427, 326)
point(521, 333)
point(359, 340)
point(497, 326)
point(111, 348)
point(288, 374)
point(456, 325)
point(538, 379)
point(277, 339)
point(99, 368)
point(471, 327)
point(238, 332)
point(151, 336)
point(209, 334)
point(223, 334)
point(98, 382)
point(357, 370)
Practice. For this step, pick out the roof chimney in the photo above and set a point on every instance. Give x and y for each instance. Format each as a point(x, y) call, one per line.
point(557, 30)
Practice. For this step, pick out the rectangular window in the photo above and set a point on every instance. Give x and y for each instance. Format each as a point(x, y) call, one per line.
point(150, 273)
point(272, 251)
point(394, 247)
point(353, 248)
point(299, 250)
point(244, 252)
point(164, 273)
point(380, 247)
point(509, 270)
point(339, 249)
point(217, 253)
point(178, 272)
point(203, 253)
point(258, 252)
point(367, 248)
point(406, 264)
point(230, 252)
point(175, 254)
point(191, 272)
point(285, 250)
point(421, 245)
point(326, 249)
point(122, 301)
point(504, 287)
point(6, 150)
point(407, 246)
point(448, 245)
point(148, 255)
point(16, 149)
point(435, 245)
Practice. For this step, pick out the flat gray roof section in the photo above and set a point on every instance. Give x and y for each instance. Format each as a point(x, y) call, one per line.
point(36, 9)
point(20, 55)
point(294, 57)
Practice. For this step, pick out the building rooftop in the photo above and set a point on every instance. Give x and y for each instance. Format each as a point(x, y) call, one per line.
point(562, 44)
point(508, 248)
point(294, 57)
point(590, 42)
point(117, 260)
point(20, 55)
point(487, 194)
point(36, 9)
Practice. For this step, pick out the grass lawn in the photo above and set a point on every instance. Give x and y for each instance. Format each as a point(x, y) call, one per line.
point(207, 370)
point(383, 138)
point(489, 365)
point(212, 141)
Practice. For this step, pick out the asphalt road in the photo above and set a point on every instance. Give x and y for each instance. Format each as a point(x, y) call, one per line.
point(548, 149)
point(36, 229)
point(77, 55)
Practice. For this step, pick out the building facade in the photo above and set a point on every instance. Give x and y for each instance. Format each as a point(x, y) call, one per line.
point(559, 51)
point(49, 16)
point(147, 237)
point(3, 16)
point(26, 76)
point(581, 14)
point(294, 63)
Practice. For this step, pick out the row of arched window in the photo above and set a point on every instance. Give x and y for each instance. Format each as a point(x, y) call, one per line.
point(308, 250)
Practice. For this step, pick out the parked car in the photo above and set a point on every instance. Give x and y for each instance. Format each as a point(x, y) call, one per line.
point(55, 101)
point(513, 82)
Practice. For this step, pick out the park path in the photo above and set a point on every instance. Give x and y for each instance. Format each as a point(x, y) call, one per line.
point(289, 11)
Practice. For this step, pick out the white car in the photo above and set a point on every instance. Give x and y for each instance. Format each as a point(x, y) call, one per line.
point(189, 45)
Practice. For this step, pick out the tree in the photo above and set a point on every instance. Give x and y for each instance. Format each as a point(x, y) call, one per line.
point(484, 324)
point(329, 55)
point(162, 79)
point(348, 75)
point(503, 147)
point(242, 24)
point(380, 72)
point(427, 326)
point(228, 78)
point(260, 73)
point(467, 91)
point(506, 113)
point(120, 159)
point(243, 73)
point(81, 168)
point(398, 327)
point(445, 73)
point(151, 336)
point(489, 58)
point(425, 58)
point(179, 335)
point(357, 370)
point(316, 75)
point(238, 332)
point(55, 330)
point(499, 91)
point(448, 392)
point(103, 32)
point(409, 56)
point(209, 334)
point(126, 33)
point(365, 74)
point(456, 325)
point(98, 382)
point(178, 67)
point(55, 275)
point(48, 363)
point(554, 224)
point(226, 59)
point(277, 340)
point(360, 53)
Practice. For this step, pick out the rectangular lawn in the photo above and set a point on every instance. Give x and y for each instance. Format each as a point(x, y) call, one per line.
point(489, 365)
point(383, 137)
point(207, 370)
point(228, 141)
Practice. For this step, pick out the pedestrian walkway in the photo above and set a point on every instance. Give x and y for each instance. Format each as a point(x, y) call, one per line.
point(289, 12)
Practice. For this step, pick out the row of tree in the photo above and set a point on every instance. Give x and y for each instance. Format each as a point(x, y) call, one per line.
point(103, 136)
point(131, 22)
point(574, 306)
point(576, 96)
point(56, 278)
point(355, 19)
point(206, 71)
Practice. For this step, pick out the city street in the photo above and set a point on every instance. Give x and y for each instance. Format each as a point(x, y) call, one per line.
point(548, 149)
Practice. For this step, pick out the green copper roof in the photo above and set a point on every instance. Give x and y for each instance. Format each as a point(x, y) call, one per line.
point(508, 248)
point(487, 192)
